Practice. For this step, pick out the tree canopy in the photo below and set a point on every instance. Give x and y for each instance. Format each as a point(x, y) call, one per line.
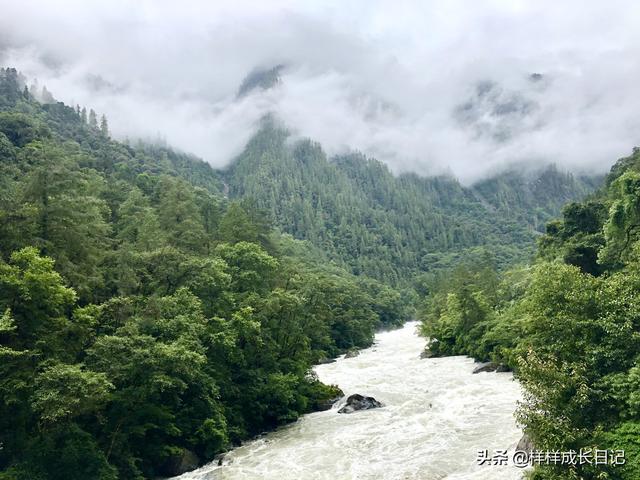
point(143, 315)
point(568, 325)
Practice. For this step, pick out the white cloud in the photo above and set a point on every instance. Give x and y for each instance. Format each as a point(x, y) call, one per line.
point(381, 77)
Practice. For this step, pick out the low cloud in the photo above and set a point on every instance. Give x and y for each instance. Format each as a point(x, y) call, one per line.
point(429, 87)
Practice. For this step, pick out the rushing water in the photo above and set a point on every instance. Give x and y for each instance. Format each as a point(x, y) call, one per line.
point(437, 416)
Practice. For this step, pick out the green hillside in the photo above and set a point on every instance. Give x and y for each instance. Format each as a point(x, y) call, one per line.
point(567, 325)
point(154, 310)
point(394, 227)
point(144, 319)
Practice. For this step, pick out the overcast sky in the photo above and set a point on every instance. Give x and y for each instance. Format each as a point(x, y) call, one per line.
point(425, 86)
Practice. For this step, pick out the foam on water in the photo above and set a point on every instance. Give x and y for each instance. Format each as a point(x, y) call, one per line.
point(437, 416)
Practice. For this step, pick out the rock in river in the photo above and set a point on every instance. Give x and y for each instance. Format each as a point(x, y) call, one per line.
point(491, 367)
point(328, 403)
point(426, 353)
point(352, 352)
point(324, 361)
point(357, 402)
point(525, 444)
point(180, 463)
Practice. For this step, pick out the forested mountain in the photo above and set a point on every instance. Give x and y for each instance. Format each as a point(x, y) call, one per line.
point(394, 227)
point(568, 325)
point(145, 321)
point(146, 318)
point(262, 79)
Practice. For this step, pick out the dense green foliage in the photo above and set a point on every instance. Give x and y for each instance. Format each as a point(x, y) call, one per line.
point(142, 315)
point(569, 325)
point(145, 316)
point(395, 227)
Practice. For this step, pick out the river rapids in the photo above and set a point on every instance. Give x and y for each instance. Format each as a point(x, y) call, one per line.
point(437, 416)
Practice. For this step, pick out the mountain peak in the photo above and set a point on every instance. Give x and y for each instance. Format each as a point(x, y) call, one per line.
point(260, 78)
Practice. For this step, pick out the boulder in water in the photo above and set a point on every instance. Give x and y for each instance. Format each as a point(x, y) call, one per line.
point(525, 444)
point(357, 402)
point(324, 361)
point(426, 353)
point(491, 367)
point(485, 367)
point(219, 459)
point(328, 403)
point(178, 464)
point(352, 352)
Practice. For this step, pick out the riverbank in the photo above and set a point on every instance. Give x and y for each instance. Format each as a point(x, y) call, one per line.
point(437, 415)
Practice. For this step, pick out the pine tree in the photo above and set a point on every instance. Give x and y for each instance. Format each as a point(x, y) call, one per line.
point(46, 96)
point(104, 126)
point(180, 216)
point(83, 115)
point(93, 119)
point(9, 84)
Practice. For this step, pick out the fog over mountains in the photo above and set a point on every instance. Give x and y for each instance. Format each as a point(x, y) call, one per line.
point(427, 87)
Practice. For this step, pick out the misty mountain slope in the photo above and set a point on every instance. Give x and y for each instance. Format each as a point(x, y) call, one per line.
point(262, 79)
point(580, 300)
point(533, 199)
point(498, 114)
point(64, 123)
point(350, 207)
point(161, 319)
point(392, 227)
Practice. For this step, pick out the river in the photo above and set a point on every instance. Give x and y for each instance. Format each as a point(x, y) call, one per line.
point(437, 415)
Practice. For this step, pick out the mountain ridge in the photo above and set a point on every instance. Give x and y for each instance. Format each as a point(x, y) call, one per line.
point(354, 208)
point(368, 220)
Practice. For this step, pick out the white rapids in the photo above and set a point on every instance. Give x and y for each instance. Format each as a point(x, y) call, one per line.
point(436, 418)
